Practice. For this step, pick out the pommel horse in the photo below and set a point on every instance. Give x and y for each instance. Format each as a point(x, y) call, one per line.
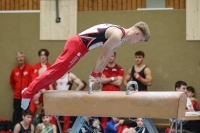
point(146, 105)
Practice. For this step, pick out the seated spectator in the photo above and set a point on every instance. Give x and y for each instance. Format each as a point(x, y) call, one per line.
point(37, 120)
point(110, 125)
point(24, 126)
point(140, 128)
point(91, 125)
point(190, 94)
point(189, 125)
point(124, 125)
point(181, 86)
point(45, 126)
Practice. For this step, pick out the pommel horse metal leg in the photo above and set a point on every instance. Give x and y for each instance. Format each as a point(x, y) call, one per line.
point(58, 122)
point(176, 125)
point(147, 121)
point(181, 126)
point(171, 126)
point(78, 124)
point(150, 126)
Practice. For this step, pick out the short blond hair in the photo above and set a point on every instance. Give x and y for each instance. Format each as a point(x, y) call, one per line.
point(143, 27)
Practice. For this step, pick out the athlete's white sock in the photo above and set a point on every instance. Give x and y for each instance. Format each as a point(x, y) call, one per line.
point(25, 103)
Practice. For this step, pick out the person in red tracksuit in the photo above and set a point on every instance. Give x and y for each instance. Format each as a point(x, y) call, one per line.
point(37, 70)
point(111, 79)
point(20, 78)
point(109, 36)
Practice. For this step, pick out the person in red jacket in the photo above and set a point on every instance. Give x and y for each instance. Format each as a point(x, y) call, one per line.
point(111, 79)
point(109, 36)
point(112, 75)
point(37, 70)
point(190, 92)
point(20, 78)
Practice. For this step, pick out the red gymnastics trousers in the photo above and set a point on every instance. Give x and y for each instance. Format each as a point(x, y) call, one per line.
point(74, 49)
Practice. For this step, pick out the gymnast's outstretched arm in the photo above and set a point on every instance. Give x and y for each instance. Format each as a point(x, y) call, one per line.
point(114, 38)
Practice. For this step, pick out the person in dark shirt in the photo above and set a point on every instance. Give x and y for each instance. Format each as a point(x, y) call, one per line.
point(139, 73)
point(91, 125)
point(24, 126)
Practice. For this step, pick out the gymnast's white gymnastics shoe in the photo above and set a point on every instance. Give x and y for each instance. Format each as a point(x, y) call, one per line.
point(25, 103)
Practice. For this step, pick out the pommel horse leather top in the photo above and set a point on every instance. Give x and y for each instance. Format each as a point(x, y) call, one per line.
point(163, 105)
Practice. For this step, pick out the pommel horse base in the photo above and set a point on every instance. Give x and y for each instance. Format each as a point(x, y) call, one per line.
point(163, 105)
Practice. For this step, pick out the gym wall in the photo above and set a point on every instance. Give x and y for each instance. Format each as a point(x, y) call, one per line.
point(168, 54)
